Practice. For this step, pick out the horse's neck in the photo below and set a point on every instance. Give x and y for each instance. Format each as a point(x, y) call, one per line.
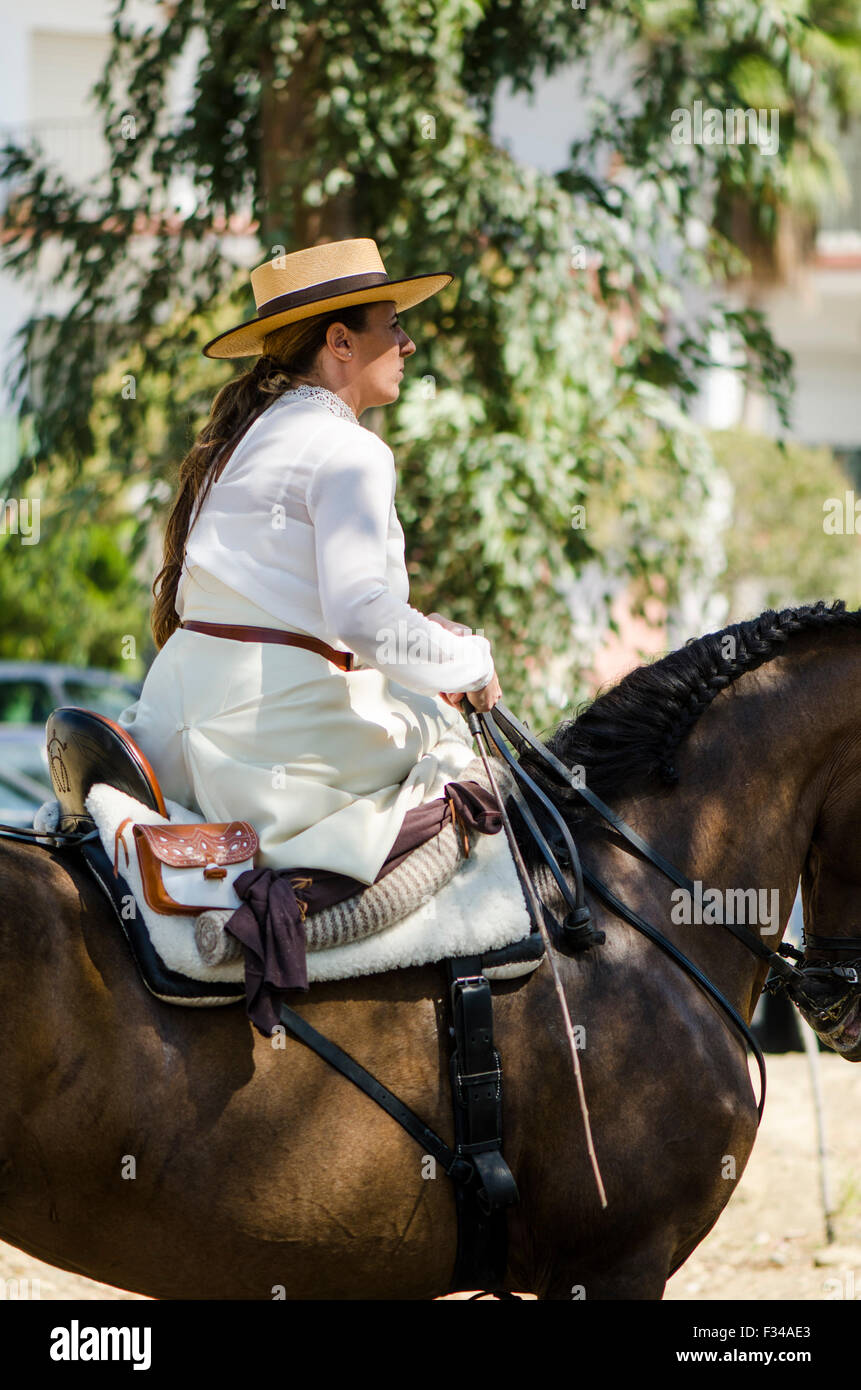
point(752, 779)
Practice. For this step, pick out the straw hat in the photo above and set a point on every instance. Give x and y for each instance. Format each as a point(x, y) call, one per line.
point(315, 280)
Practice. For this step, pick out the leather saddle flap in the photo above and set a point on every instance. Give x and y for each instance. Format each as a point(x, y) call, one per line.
point(196, 846)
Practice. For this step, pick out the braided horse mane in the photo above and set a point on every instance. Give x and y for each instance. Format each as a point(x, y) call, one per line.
point(626, 739)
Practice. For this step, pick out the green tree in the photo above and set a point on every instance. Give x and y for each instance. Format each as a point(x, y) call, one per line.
point(73, 597)
point(548, 375)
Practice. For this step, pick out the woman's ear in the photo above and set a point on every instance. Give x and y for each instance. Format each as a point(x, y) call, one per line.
point(338, 341)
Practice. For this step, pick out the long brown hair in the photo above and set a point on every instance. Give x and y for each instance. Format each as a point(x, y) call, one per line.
point(287, 352)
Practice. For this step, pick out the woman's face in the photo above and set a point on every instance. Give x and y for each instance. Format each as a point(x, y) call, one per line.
point(375, 369)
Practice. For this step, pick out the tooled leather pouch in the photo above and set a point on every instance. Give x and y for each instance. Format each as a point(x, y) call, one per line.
point(186, 869)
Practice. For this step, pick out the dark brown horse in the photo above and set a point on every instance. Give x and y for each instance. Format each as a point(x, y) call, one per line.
point(175, 1152)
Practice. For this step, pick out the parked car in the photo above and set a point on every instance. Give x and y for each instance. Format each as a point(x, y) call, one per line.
point(29, 692)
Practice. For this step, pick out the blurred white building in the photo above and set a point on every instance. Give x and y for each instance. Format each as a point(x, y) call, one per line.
point(53, 53)
point(817, 319)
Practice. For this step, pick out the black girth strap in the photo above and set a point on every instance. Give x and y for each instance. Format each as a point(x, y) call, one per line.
point(484, 1185)
point(476, 1084)
point(48, 839)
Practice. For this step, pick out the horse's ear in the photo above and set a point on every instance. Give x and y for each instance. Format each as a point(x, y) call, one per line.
point(85, 747)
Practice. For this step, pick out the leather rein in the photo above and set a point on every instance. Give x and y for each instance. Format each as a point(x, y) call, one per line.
point(48, 839)
point(577, 926)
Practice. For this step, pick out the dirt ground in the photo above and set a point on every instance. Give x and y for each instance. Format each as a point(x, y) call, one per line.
point(770, 1242)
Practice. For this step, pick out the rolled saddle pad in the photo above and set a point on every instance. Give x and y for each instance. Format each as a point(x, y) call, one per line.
point(407, 888)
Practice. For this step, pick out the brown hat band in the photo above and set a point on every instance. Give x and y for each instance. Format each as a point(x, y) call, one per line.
point(326, 289)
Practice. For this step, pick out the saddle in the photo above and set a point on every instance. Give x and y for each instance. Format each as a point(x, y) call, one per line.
point(183, 873)
point(84, 748)
point(183, 868)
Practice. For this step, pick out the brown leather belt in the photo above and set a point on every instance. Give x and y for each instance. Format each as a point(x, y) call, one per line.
point(273, 634)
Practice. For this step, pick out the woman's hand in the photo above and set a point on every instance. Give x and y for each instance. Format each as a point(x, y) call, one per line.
point(485, 698)
point(482, 700)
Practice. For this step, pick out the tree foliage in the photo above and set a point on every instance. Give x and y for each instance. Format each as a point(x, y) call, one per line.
point(548, 375)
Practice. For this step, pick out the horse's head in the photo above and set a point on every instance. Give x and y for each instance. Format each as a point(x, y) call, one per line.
point(831, 892)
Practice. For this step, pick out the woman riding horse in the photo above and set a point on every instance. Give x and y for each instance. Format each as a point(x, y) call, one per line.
point(283, 563)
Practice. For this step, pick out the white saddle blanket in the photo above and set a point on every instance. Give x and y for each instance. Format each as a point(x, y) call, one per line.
point(481, 908)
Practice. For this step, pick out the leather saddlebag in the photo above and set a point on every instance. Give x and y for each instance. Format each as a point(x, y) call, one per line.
point(187, 869)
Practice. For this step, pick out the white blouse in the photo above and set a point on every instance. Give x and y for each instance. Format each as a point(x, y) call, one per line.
point(302, 522)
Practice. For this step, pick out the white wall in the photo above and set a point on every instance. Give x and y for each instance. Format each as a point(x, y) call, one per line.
point(821, 325)
point(539, 129)
point(20, 100)
point(53, 52)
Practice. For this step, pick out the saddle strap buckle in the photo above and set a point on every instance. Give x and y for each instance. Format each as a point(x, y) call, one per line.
point(491, 1079)
point(476, 1076)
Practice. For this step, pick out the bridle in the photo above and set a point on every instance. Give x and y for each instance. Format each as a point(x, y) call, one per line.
point(576, 929)
point(823, 973)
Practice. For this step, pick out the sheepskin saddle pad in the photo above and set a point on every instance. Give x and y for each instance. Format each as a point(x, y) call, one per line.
point(439, 903)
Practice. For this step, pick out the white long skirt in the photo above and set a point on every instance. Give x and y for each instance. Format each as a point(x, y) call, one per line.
point(324, 763)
